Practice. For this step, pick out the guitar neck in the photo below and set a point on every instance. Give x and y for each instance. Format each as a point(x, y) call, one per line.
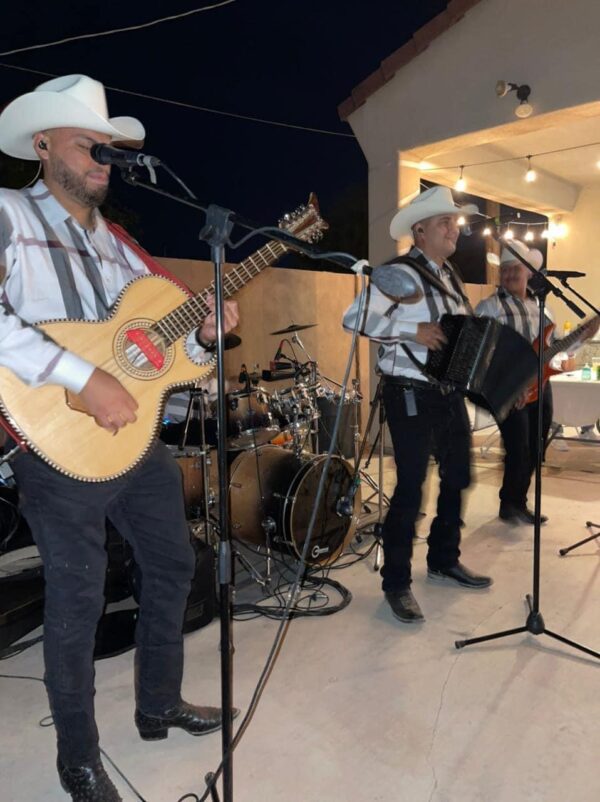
point(570, 339)
point(192, 312)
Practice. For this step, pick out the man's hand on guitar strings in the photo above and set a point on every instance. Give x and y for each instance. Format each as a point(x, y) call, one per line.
point(108, 402)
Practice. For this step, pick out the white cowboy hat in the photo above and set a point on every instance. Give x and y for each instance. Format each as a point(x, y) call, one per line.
point(434, 201)
point(72, 101)
point(532, 255)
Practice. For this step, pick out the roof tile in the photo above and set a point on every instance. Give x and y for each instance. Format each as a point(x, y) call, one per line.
point(421, 39)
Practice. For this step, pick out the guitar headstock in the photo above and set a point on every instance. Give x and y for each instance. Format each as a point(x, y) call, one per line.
point(305, 222)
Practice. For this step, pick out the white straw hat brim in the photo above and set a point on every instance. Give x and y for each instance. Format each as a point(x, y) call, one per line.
point(415, 212)
point(41, 111)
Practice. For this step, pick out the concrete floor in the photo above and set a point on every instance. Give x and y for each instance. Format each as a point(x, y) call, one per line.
point(361, 707)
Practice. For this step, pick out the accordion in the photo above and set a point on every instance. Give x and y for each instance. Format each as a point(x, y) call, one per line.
point(485, 360)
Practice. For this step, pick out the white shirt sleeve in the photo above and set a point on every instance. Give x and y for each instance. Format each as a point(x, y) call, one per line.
point(381, 319)
point(34, 357)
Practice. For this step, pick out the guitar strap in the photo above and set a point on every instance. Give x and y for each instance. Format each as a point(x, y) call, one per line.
point(153, 266)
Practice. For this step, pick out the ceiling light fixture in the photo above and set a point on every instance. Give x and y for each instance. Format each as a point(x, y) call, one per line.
point(531, 174)
point(523, 91)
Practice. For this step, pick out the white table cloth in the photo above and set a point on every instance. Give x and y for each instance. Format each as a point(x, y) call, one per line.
point(576, 402)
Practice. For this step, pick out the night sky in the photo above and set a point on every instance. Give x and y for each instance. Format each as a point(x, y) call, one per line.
point(292, 62)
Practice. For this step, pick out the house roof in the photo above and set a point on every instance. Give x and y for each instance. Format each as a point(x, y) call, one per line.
point(419, 42)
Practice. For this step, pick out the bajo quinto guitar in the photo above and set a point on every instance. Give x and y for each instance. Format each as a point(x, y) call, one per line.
point(142, 343)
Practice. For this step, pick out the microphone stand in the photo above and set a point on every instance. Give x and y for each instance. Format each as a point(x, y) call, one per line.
point(218, 225)
point(535, 622)
point(565, 283)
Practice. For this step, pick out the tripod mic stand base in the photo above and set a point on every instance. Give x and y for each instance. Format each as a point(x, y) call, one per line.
point(535, 625)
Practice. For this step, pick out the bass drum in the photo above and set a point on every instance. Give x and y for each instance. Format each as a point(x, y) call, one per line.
point(272, 491)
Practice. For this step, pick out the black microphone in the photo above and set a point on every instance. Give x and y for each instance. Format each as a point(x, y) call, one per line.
point(106, 154)
point(564, 274)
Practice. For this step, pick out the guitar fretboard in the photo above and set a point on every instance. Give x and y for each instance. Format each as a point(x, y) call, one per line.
point(562, 345)
point(191, 313)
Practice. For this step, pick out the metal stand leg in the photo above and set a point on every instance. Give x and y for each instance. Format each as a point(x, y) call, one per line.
point(589, 525)
point(362, 475)
point(379, 525)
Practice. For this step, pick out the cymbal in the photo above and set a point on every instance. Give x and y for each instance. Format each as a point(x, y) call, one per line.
point(232, 341)
point(294, 327)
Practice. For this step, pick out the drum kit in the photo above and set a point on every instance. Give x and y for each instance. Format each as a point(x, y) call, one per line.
point(275, 462)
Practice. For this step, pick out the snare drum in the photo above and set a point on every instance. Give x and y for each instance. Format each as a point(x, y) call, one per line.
point(272, 491)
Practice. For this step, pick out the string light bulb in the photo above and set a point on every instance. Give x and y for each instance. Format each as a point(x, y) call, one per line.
point(529, 236)
point(545, 234)
point(461, 184)
point(461, 220)
point(487, 231)
point(508, 234)
point(531, 174)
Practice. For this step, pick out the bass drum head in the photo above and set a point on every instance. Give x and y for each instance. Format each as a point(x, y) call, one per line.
point(273, 489)
point(331, 531)
point(258, 480)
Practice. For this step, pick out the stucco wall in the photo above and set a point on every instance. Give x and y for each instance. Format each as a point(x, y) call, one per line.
point(579, 251)
point(275, 299)
point(448, 89)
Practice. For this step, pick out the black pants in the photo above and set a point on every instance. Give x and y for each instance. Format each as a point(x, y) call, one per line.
point(441, 424)
point(67, 519)
point(519, 435)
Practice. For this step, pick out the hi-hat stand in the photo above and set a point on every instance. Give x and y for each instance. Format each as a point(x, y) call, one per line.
point(377, 406)
point(534, 623)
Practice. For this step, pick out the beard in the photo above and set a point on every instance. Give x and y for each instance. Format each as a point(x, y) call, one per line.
point(75, 186)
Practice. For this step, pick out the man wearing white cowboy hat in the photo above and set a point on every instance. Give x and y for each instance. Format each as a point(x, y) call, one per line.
point(420, 417)
point(514, 305)
point(60, 259)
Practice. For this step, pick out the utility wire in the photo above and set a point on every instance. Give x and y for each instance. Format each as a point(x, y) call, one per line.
point(118, 30)
point(508, 158)
point(194, 107)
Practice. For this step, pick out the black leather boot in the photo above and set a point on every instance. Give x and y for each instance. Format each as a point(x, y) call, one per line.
point(191, 718)
point(88, 783)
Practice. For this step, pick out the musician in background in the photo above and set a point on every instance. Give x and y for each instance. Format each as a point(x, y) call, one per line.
point(514, 305)
point(419, 415)
point(60, 259)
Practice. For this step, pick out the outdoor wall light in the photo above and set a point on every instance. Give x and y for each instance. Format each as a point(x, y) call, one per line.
point(523, 91)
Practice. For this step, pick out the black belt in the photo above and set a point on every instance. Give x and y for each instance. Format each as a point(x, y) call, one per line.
point(404, 381)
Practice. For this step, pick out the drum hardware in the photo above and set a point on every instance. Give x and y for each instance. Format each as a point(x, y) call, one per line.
point(264, 581)
point(269, 526)
point(361, 474)
point(199, 496)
